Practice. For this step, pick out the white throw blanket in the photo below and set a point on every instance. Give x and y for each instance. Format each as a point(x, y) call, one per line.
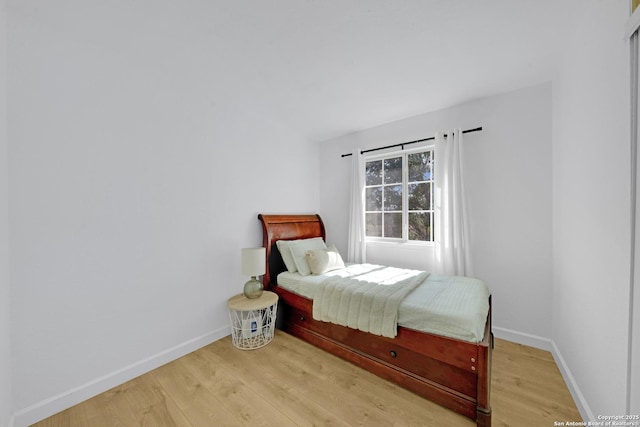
point(368, 302)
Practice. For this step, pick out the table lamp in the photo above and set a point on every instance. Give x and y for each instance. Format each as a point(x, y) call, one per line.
point(253, 264)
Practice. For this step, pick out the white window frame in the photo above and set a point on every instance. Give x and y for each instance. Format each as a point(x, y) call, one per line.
point(405, 195)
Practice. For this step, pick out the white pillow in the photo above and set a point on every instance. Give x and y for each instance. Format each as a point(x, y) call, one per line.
point(322, 260)
point(299, 250)
point(285, 252)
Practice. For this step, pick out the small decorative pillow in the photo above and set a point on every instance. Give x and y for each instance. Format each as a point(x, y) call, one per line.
point(285, 252)
point(322, 260)
point(299, 249)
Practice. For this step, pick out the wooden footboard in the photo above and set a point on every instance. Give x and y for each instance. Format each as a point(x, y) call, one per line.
point(453, 373)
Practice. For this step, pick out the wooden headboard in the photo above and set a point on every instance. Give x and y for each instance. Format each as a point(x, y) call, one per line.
point(285, 227)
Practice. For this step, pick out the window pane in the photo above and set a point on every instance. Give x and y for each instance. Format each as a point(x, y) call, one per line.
point(386, 215)
point(373, 199)
point(373, 173)
point(420, 196)
point(393, 170)
point(419, 226)
point(419, 166)
point(374, 224)
point(393, 225)
point(393, 198)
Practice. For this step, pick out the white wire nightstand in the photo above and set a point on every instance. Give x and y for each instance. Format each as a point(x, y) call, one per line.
point(253, 321)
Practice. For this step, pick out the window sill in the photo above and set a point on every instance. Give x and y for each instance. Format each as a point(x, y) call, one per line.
point(400, 243)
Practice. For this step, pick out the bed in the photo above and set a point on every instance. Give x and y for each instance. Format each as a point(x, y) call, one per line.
point(453, 372)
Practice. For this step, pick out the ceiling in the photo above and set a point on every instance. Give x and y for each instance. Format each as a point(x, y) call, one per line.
point(324, 68)
point(328, 68)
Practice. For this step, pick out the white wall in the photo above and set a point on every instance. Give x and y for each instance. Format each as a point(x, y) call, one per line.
point(6, 408)
point(138, 165)
point(591, 206)
point(509, 176)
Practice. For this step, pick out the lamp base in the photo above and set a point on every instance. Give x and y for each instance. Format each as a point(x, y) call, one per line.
point(253, 288)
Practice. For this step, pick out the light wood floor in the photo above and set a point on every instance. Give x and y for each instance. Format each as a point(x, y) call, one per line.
point(291, 383)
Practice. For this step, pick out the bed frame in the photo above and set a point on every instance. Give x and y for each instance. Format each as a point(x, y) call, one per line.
point(453, 373)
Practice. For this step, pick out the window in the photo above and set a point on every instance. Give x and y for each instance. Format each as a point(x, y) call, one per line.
point(398, 197)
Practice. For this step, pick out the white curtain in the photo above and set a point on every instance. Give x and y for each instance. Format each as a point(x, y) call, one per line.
point(451, 228)
point(356, 248)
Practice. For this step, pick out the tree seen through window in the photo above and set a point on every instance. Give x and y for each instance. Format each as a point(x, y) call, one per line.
point(398, 197)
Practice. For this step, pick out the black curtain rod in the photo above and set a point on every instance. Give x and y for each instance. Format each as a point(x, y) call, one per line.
point(407, 143)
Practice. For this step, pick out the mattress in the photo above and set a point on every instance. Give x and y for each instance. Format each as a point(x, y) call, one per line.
point(450, 306)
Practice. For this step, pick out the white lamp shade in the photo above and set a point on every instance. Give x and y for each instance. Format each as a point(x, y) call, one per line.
point(253, 261)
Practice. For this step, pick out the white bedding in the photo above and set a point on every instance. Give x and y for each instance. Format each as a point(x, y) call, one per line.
point(454, 306)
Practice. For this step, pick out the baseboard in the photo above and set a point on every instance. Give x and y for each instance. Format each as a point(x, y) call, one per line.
point(578, 397)
point(550, 346)
point(41, 410)
point(522, 338)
